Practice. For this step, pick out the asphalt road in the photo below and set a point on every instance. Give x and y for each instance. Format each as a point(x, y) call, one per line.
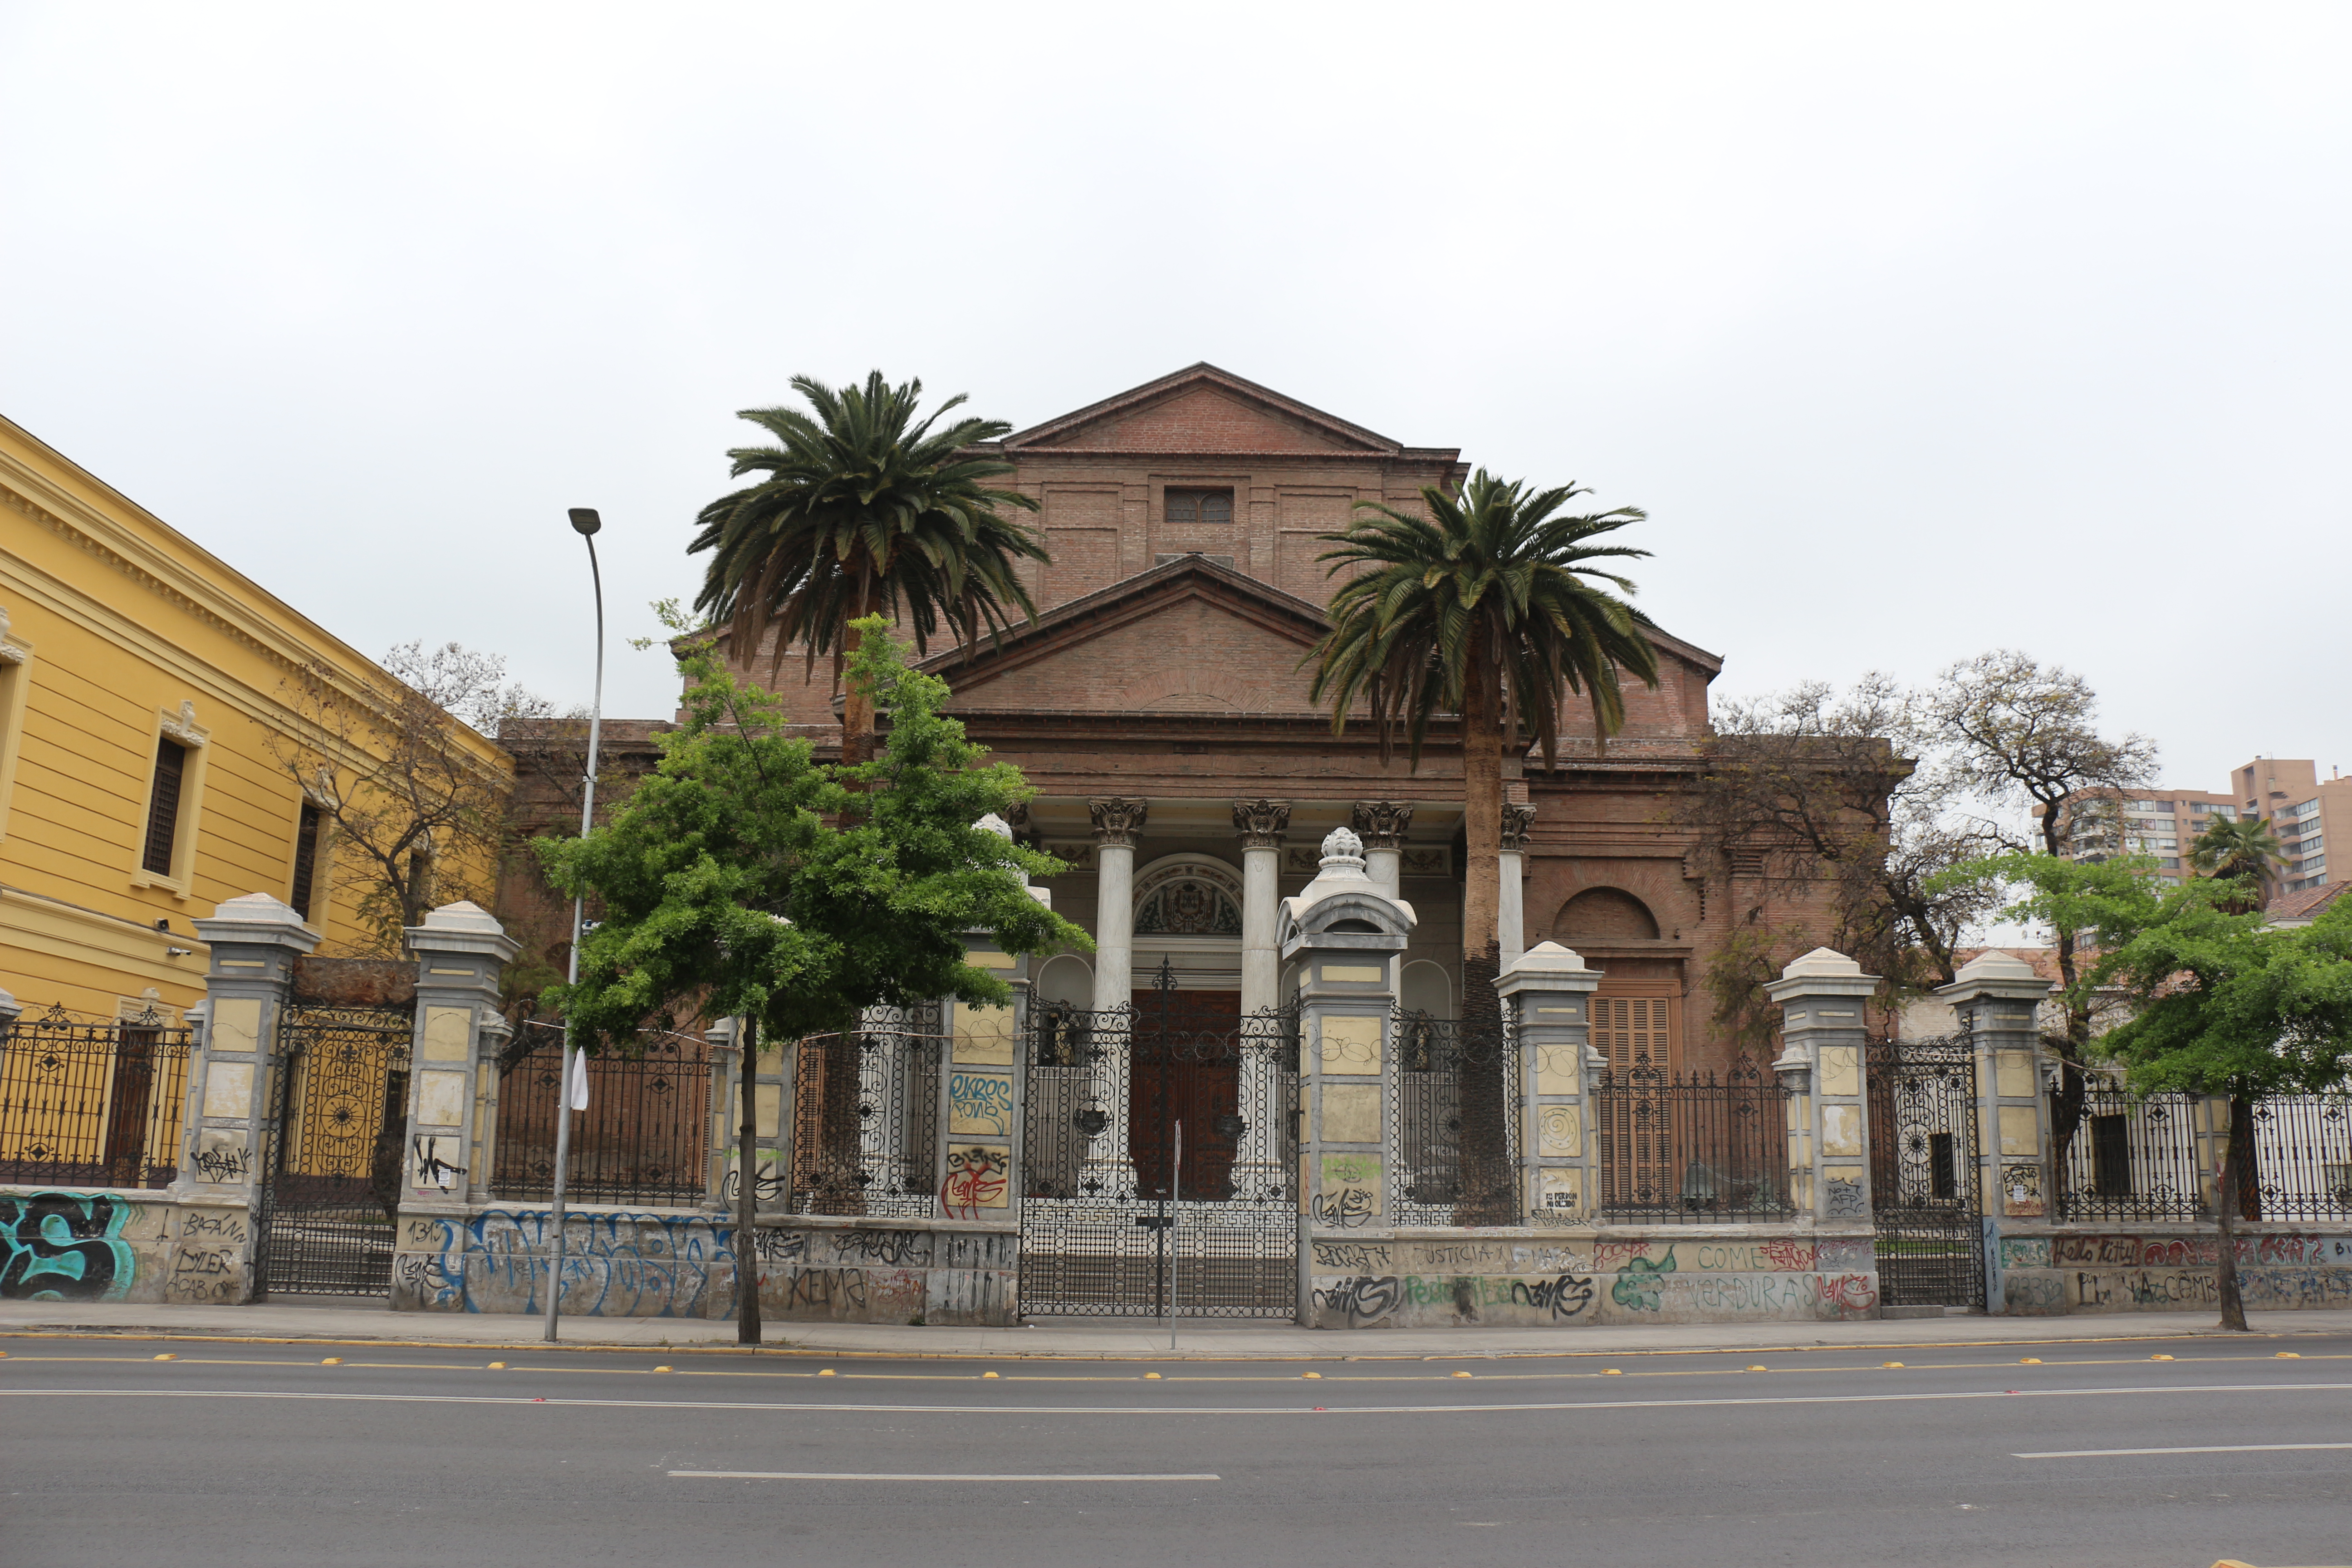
point(258, 1454)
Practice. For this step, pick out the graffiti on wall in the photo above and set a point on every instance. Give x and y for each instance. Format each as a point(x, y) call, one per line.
point(615, 1265)
point(64, 1246)
point(980, 1102)
point(976, 1179)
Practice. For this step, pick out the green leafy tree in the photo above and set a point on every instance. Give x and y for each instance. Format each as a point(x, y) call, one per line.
point(2242, 849)
point(745, 880)
point(864, 509)
point(2219, 1003)
point(1492, 607)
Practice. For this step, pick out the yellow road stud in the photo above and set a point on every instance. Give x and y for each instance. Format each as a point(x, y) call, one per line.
point(661, 1369)
point(1461, 1374)
point(333, 1361)
point(1890, 1363)
point(1151, 1376)
point(497, 1366)
point(1613, 1372)
point(2159, 1358)
point(1759, 1369)
point(2029, 1361)
point(2288, 1355)
point(988, 1375)
point(1311, 1375)
point(167, 1355)
point(827, 1372)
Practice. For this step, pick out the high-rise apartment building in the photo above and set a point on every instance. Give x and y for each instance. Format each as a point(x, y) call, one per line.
point(2304, 812)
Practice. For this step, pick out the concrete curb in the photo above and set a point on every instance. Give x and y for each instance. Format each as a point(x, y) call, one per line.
point(26, 1320)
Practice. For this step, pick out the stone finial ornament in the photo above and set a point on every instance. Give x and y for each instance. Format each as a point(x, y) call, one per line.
point(995, 824)
point(1342, 848)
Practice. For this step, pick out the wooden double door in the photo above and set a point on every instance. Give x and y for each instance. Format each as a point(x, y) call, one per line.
point(1183, 1092)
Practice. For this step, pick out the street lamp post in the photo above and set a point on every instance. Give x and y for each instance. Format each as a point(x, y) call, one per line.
point(585, 521)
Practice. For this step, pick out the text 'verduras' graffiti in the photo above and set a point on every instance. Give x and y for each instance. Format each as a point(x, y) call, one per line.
point(64, 1246)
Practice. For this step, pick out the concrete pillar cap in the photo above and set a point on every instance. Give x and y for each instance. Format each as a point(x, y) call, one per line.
point(1823, 962)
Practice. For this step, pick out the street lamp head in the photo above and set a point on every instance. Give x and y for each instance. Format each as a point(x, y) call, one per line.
point(586, 521)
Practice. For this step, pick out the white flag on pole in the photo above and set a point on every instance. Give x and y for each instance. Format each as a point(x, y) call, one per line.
point(579, 1093)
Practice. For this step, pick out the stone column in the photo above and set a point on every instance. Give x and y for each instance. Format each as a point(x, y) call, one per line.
point(1117, 824)
point(1997, 999)
point(723, 1041)
point(1551, 990)
point(453, 1077)
point(1510, 911)
point(978, 1173)
point(1260, 824)
point(1822, 997)
point(1380, 825)
point(232, 1093)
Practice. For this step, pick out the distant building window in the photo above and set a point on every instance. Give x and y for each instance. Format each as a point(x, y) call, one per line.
point(1212, 508)
point(163, 806)
point(306, 857)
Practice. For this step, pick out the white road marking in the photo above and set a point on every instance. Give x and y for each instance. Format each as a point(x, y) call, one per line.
point(2215, 1449)
point(863, 1409)
point(911, 1476)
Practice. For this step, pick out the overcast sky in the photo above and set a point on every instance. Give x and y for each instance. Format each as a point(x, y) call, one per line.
point(1917, 330)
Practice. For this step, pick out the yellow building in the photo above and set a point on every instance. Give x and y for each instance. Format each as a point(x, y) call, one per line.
point(150, 699)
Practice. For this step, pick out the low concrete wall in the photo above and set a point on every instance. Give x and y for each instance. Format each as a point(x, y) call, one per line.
point(1674, 1274)
point(121, 1245)
point(2171, 1268)
point(888, 1271)
point(676, 1263)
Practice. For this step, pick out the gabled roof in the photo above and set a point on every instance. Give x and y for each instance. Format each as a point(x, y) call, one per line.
point(1204, 410)
point(2300, 909)
point(1187, 576)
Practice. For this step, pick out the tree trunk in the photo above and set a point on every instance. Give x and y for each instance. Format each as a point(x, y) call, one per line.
point(2240, 1148)
point(857, 700)
point(1486, 1194)
point(747, 1182)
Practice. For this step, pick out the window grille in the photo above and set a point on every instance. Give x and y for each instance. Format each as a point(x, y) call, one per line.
point(1212, 508)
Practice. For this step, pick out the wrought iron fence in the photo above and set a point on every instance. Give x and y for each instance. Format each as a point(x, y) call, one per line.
point(1453, 1122)
point(2303, 1156)
point(2132, 1157)
point(866, 1115)
point(644, 1139)
point(1691, 1148)
point(92, 1104)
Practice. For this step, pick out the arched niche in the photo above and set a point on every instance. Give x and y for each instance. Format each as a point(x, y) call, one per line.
point(1424, 986)
point(1188, 895)
point(1066, 978)
point(1603, 915)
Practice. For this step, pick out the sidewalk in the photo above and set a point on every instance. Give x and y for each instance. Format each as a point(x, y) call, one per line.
point(1124, 1339)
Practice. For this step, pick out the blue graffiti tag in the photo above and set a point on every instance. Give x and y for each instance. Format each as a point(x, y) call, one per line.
point(65, 1247)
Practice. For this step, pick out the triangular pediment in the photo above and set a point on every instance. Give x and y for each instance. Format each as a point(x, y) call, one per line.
point(1188, 636)
point(1201, 410)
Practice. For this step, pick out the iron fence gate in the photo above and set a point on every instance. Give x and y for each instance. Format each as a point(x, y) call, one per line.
point(1158, 1157)
point(1924, 1186)
point(332, 1175)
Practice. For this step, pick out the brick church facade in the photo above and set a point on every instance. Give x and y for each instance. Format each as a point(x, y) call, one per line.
point(1159, 705)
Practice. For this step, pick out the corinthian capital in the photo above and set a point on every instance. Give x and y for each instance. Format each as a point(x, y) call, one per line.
point(1117, 821)
point(1261, 822)
point(1380, 824)
point(1517, 820)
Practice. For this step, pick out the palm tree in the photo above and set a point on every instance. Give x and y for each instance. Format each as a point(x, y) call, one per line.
point(1489, 608)
point(2237, 847)
point(863, 508)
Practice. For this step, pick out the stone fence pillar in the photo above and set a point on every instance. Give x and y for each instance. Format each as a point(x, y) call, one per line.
point(1551, 991)
point(1822, 998)
point(1347, 936)
point(453, 1090)
point(233, 1081)
point(1997, 999)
